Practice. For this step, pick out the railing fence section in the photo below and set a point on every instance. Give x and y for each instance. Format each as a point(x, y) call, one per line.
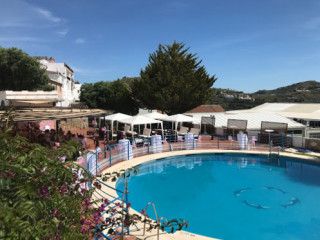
point(128, 149)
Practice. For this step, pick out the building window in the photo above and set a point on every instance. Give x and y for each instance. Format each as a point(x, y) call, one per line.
point(314, 135)
point(314, 124)
point(297, 131)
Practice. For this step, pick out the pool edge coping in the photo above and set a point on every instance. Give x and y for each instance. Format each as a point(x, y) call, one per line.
point(183, 235)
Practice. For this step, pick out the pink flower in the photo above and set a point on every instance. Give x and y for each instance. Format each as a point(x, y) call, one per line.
point(87, 202)
point(55, 213)
point(11, 174)
point(88, 223)
point(75, 177)
point(45, 189)
point(83, 230)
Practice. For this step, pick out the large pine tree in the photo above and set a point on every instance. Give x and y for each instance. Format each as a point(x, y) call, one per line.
point(173, 81)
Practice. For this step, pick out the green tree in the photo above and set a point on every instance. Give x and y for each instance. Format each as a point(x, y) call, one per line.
point(109, 95)
point(173, 81)
point(19, 71)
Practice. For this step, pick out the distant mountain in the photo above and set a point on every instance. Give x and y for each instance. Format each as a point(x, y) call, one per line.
point(304, 92)
point(307, 86)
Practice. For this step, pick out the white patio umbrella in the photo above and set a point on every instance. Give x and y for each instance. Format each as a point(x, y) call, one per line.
point(140, 120)
point(178, 118)
point(115, 118)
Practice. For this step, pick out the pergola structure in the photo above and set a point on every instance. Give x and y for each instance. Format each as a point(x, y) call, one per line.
point(40, 114)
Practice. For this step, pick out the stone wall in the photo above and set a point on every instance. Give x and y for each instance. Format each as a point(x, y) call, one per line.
point(313, 144)
point(74, 123)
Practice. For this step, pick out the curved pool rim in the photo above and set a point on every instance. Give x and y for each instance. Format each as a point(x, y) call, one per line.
point(184, 235)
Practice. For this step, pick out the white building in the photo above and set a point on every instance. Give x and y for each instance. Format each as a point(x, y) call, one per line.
point(62, 78)
point(306, 113)
point(253, 121)
point(76, 91)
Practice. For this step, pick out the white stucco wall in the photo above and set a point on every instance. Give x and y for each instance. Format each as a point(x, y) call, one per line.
point(76, 92)
point(59, 72)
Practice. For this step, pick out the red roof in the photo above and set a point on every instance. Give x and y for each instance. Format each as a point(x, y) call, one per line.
point(207, 109)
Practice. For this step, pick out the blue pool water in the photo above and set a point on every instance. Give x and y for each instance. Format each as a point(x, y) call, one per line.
point(232, 196)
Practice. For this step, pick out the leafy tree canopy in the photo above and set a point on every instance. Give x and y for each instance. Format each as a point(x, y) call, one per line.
point(109, 95)
point(19, 71)
point(174, 81)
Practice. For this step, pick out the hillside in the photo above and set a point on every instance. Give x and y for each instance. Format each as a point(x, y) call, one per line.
point(306, 86)
point(306, 92)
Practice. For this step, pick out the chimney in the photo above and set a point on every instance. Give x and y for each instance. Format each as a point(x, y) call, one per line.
point(51, 59)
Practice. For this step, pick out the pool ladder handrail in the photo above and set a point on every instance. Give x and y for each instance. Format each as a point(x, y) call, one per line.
point(277, 152)
point(158, 219)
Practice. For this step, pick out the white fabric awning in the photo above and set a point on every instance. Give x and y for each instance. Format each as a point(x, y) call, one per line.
point(139, 120)
point(254, 119)
point(290, 110)
point(179, 118)
point(155, 115)
point(116, 117)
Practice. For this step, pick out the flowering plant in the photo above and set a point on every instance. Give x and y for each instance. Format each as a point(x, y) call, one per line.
point(43, 197)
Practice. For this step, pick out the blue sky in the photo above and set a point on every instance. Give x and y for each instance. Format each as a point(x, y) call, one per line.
point(248, 44)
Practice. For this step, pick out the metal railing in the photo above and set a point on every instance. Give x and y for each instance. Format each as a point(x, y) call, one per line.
point(129, 149)
point(102, 193)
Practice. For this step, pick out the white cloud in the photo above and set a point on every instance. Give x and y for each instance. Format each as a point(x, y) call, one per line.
point(19, 13)
point(80, 40)
point(47, 15)
point(63, 33)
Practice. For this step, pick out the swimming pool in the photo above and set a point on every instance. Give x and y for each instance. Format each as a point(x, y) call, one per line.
point(233, 196)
